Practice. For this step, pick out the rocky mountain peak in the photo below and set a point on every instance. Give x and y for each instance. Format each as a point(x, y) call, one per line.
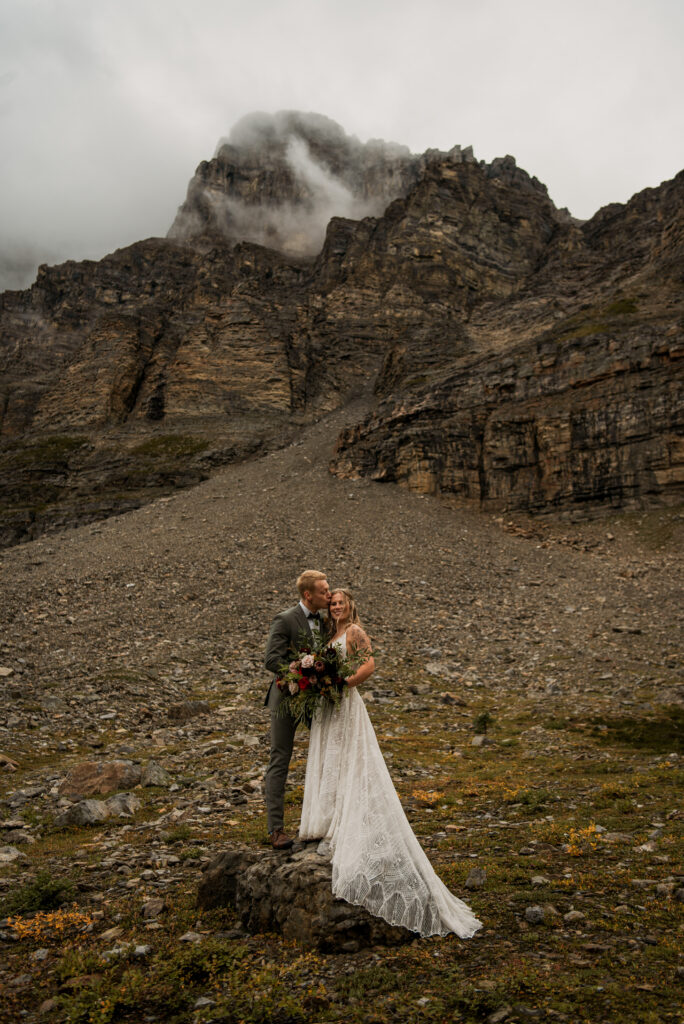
point(278, 179)
point(508, 355)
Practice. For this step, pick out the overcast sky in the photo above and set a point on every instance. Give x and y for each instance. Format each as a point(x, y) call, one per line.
point(107, 106)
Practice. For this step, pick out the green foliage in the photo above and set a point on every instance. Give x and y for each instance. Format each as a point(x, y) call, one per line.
point(175, 446)
point(179, 833)
point(191, 853)
point(461, 1000)
point(663, 733)
point(294, 795)
point(534, 799)
point(49, 452)
point(243, 993)
point(77, 962)
point(377, 979)
point(481, 722)
point(621, 308)
point(597, 319)
point(43, 893)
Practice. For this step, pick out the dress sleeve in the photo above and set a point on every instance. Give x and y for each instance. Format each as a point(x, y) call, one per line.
point(359, 639)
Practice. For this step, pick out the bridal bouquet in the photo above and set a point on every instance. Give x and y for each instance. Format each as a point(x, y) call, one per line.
point(315, 675)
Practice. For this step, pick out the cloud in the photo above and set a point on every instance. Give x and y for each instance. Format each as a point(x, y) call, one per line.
point(276, 150)
point(106, 108)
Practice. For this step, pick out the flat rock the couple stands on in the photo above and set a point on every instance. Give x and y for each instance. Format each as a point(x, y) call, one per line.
point(291, 893)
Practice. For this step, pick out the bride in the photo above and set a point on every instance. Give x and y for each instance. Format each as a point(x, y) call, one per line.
point(350, 801)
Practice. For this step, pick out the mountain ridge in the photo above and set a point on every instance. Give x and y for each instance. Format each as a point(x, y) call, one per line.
point(174, 355)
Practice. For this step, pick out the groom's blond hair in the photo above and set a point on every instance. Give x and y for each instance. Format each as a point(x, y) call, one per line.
point(308, 579)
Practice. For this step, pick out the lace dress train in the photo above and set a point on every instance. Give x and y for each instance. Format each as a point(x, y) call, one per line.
point(351, 803)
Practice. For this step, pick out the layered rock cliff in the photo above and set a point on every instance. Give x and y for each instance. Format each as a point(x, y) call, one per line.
point(516, 357)
point(568, 393)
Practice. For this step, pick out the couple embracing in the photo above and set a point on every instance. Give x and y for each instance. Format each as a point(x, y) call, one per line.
point(350, 804)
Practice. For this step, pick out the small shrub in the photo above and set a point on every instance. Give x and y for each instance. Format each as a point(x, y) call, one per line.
point(170, 446)
point(534, 798)
point(51, 924)
point(621, 308)
point(179, 834)
point(427, 798)
point(482, 721)
point(44, 893)
point(192, 853)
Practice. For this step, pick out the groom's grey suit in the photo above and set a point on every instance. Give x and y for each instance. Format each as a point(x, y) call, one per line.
point(286, 630)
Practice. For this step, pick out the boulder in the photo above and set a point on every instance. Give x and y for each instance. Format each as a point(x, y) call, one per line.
point(187, 710)
point(154, 775)
point(123, 805)
point(86, 812)
point(520, 365)
point(476, 879)
point(93, 778)
point(9, 854)
point(291, 893)
point(152, 909)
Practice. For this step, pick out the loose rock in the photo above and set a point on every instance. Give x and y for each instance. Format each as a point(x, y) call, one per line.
point(99, 777)
point(476, 878)
point(86, 812)
point(292, 894)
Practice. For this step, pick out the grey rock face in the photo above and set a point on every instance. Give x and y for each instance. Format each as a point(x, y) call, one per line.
point(292, 895)
point(153, 909)
point(9, 854)
point(92, 778)
point(154, 775)
point(534, 915)
point(86, 812)
point(515, 361)
point(279, 179)
point(123, 804)
point(476, 879)
point(187, 710)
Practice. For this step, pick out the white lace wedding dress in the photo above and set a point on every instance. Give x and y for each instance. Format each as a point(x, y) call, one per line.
point(350, 803)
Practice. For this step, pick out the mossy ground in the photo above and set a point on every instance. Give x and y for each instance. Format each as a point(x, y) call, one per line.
point(598, 319)
point(59, 479)
point(516, 811)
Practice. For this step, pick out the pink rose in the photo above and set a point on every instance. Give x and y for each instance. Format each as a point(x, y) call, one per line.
point(307, 661)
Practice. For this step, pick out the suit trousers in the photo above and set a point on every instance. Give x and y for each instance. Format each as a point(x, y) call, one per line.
point(283, 729)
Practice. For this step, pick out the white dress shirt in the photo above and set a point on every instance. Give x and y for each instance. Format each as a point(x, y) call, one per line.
point(313, 624)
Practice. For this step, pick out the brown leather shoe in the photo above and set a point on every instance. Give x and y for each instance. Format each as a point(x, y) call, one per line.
point(280, 840)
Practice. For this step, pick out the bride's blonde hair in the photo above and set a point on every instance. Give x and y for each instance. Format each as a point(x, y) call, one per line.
point(352, 618)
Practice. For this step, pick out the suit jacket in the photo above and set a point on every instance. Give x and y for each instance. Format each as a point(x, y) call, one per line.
point(285, 633)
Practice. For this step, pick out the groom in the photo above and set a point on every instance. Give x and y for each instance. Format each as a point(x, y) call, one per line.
point(286, 629)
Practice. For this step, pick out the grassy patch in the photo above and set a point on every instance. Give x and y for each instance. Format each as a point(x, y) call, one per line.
point(49, 452)
point(178, 834)
point(174, 446)
point(240, 991)
point(597, 319)
point(663, 733)
point(516, 816)
point(44, 892)
point(622, 307)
